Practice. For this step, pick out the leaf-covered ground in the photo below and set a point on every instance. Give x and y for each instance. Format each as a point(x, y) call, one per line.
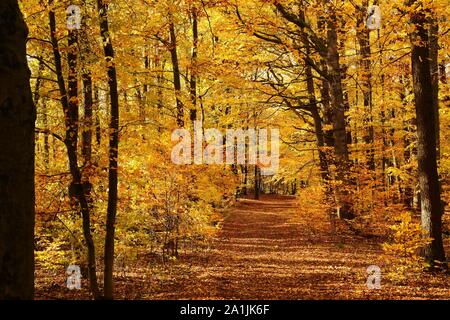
point(263, 253)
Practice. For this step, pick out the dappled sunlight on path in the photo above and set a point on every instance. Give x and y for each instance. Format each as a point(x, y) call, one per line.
point(261, 254)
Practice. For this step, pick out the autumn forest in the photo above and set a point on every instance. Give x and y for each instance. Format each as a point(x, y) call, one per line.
point(224, 149)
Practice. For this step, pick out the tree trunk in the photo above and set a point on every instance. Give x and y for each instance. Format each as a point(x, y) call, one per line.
point(176, 75)
point(70, 109)
point(327, 111)
point(37, 100)
point(431, 205)
point(17, 118)
point(343, 197)
point(46, 135)
point(313, 105)
point(363, 35)
point(245, 172)
point(257, 183)
point(408, 190)
point(88, 118)
point(113, 151)
point(98, 131)
point(434, 69)
point(194, 66)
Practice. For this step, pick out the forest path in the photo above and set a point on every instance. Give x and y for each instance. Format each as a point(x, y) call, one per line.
point(270, 249)
point(261, 254)
point(267, 249)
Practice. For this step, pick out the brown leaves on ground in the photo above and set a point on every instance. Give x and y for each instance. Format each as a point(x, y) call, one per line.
point(262, 253)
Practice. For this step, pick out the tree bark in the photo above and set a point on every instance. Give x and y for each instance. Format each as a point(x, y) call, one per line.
point(194, 66)
point(344, 203)
point(176, 75)
point(69, 102)
point(37, 100)
point(434, 69)
point(88, 118)
point(17, 121)
point(363, 35)
point(313, 105)
point(257, 183)
point(113, 151)
point(431, 205)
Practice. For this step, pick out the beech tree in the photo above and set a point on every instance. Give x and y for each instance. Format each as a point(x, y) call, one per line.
point(17, 117)
point(431, 204)
point(108, 49)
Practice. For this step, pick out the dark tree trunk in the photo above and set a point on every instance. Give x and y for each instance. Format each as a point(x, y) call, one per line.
point(37, 99)
point(88, 118)
point(366, 82)
point(257, 183)
point(329, 52)
point(313, 105)
point(98, 132)
point(408, 190)
point(434, 69)
point(46, 136)
point(176, 75)
point(143, 97)
point(338, 105)
point(194, 66)
point(159, 66)
point(431, 205)
point(37, 87)
point(326, 109)
point(245, 172)
point(69, 102)
point(113, 151)
point(17, 118)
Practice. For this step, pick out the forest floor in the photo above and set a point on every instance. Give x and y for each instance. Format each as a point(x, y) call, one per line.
point(262, 253)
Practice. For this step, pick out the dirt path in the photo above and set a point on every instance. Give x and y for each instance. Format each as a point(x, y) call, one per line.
point(261, 254)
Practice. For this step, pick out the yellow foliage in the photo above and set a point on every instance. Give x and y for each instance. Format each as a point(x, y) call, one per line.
point(404, 248)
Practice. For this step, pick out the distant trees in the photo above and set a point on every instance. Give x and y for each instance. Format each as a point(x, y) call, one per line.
point(313, 36)
point(310, 44)
point(17, 117)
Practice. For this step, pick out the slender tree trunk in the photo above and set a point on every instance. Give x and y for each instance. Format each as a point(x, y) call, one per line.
point(431, 205)
point(98, 132)
point(245, 172)
point(113, 150)
point(194, 66)
point(46, 135)
point(434, 69)
point(363, 35)
point(408, 190)
point(37, 100)
point(143, 97)
point(176, 75)
point(70, 109)
point(37, 87)
point(257, 183)
point(327, 111)
point(88, 118)
point(17, 118)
